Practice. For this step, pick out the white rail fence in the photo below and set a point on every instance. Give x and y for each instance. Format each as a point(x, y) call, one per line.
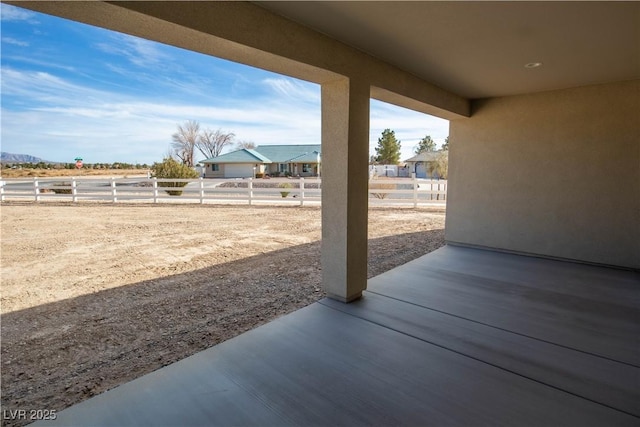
point(395, 191)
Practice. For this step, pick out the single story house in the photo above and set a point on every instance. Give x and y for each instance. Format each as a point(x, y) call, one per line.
point(243, 163)
point(424, 164)
point(274, 160)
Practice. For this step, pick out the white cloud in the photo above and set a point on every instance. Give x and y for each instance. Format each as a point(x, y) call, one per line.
point(12, 13)
point(44, 88)
point(10, 40)
point(294, 89)
point(143, 130)
point(140, 52)
point(78, 120)
point(38, 62)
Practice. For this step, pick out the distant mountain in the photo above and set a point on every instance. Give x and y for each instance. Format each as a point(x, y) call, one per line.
point(20, 158)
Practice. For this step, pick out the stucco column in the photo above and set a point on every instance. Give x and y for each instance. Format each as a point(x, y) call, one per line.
point(345, 153)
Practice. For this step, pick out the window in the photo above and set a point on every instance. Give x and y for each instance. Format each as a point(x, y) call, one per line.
point(283, 167)
point(215, 167)
point(306, 167)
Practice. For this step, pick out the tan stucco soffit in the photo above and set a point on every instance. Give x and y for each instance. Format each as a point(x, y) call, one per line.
point(248, 34)
point(463, 109)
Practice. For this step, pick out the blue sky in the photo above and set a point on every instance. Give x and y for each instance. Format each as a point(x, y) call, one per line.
point(71, 90)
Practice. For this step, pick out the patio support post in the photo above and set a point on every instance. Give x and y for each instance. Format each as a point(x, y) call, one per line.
point(345, 151)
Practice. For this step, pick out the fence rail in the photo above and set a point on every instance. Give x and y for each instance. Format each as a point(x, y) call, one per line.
point(301, 191)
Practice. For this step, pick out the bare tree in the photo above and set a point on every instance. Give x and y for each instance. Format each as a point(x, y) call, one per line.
point(211, 143)
point(245, 144)
point(441, 164)
point(184, 141)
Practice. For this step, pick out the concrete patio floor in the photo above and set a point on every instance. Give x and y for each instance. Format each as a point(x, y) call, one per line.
point(458, 337)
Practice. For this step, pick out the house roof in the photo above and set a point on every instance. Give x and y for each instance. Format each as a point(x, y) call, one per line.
point(290, 153)
point(271, 154)
point(425, 156)
point(244, 155)
point(311, 157)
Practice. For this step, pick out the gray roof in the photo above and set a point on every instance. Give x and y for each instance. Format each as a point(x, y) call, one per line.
point(425, 156)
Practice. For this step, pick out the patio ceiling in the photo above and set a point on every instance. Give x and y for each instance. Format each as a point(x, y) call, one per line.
point(479, 49)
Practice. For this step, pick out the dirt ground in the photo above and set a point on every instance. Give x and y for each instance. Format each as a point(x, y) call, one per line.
point(48, 173)
point(96, 295)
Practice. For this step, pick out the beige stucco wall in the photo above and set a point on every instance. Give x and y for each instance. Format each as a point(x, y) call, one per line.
point(555, 174)
point(222, 171)
point(208, 173)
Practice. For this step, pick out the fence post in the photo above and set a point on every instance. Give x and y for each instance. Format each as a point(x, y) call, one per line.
point(74, 190)
point(415, 189)
point(250, 188)
point(113, 190)
point(201, 191)
point(36, 190)
point(301, 191)
point(155, 190)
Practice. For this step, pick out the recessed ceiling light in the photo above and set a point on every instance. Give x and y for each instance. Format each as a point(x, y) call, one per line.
point(533, 65)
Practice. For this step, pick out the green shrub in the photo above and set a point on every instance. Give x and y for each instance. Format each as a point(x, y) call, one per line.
point(169, 168)
point(285, 185)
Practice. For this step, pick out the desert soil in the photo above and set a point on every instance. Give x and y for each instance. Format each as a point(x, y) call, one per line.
point(96, 295)
point(49, 173)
